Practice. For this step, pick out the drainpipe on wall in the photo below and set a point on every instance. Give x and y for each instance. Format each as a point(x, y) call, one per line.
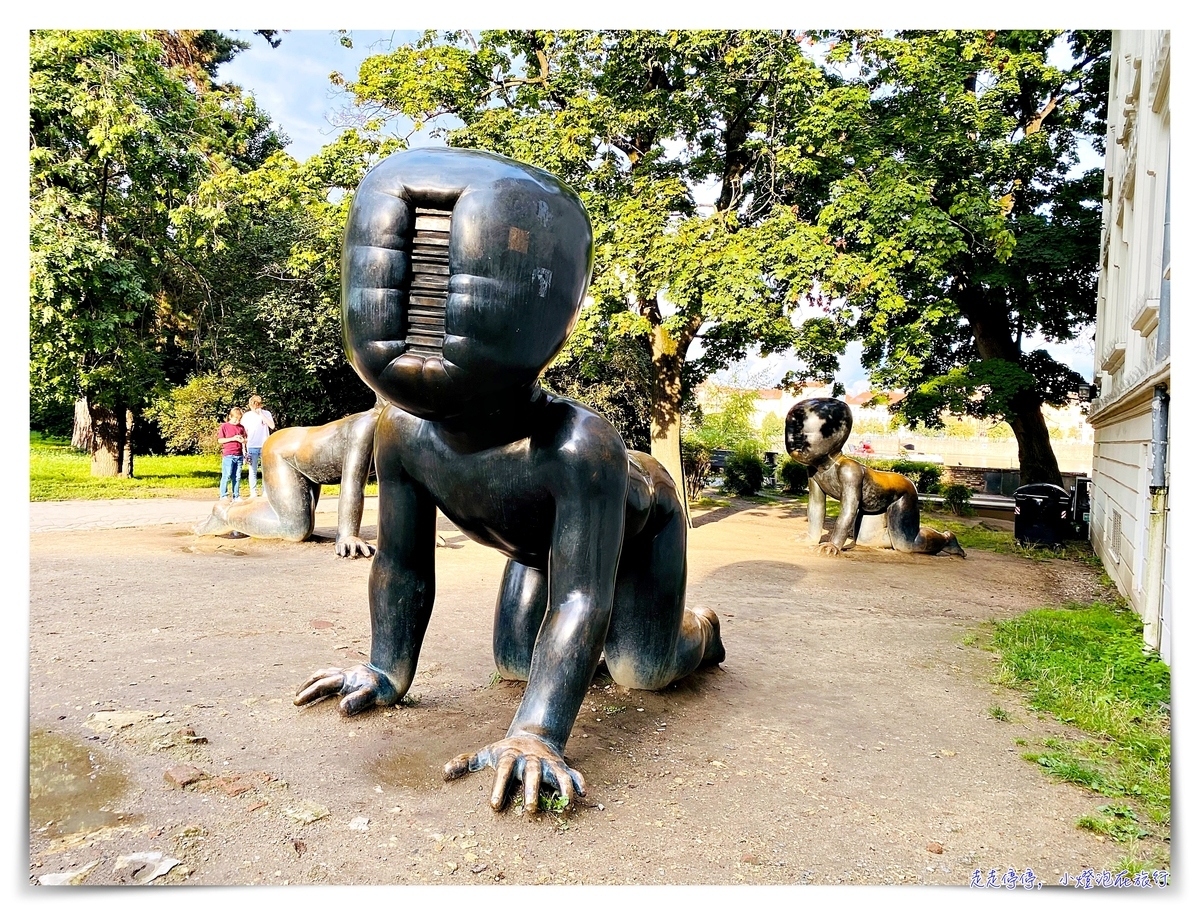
point(1159, 424)
point(1157, 535)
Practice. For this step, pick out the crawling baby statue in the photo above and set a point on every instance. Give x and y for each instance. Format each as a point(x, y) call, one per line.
point(463, 273)
point(814, 434)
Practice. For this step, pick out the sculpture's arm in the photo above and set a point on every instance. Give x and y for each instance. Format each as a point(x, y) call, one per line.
point(356, 465)
point(851, 474)
point(584, 550)
point(401, 591)
point(816, 510)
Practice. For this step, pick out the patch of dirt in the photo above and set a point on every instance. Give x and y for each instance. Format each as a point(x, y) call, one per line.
point(846, 734)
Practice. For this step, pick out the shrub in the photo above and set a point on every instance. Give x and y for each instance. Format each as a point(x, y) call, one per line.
point(745, 470)
point(188, 415)
point(792, 475)
point(958, 498)
point(696, 459)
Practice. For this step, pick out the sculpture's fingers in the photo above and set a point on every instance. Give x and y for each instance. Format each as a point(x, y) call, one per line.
point(504, 769)
point(362, 698)
point(566, 785)
point(457, 767)
point(580, 784)
point(533, 784)
point(321, 684)
point(322, 674)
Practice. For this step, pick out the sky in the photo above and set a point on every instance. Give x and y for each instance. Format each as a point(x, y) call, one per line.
point(292, 83)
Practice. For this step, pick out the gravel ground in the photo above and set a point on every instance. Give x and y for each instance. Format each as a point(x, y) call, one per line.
point(846, 739)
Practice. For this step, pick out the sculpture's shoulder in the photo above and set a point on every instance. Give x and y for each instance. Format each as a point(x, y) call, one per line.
point(397, 430)
point(582, 438)
point(848, 464)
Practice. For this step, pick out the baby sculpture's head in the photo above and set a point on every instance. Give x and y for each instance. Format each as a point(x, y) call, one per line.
point(816, 428)
point(463, 273)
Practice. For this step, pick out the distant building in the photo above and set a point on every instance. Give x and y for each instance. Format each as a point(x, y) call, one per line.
point(773, 401)
point(1130, 520)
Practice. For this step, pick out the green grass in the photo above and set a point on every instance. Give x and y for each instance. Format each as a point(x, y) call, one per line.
point(973, 537)
point(1117, 821)
point(998, 713)
point(57, 472)
point(1084, 666)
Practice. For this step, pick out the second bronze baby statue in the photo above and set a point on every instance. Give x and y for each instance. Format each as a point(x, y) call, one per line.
point(463, 273)
point(878, 507)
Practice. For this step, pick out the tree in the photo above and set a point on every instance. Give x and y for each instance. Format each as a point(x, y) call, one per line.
point(636, 121)
point(122, 131)
point(729, 420)
point(956, 149)
point(270, 241)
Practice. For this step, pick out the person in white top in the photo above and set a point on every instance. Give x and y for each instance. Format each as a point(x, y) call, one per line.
point(259, 424)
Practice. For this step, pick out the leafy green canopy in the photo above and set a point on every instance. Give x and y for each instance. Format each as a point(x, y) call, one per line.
point(272, 237)
point(172, 238)
point(120, 138)
point(956, 151)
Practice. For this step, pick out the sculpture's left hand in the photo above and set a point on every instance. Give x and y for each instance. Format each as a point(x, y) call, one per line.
point(526, 759)
point(361, 687)
point(352, 547)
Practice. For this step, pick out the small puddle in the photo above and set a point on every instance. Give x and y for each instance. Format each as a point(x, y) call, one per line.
point(411, 768)
point(72, 787)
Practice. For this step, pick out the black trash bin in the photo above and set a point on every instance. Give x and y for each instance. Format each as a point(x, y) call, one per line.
point(1081, 509)
point(1040, 515)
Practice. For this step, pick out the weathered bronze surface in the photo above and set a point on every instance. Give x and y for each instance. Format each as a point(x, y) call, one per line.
point(463, 273)
point(814, 434)
point(295, 463)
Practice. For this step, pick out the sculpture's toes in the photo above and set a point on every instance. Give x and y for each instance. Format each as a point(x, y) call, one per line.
point(213, 524)
point(714, 648)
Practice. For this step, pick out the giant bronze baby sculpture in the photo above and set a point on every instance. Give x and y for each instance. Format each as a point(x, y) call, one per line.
point(878, 506)
point(463, 272)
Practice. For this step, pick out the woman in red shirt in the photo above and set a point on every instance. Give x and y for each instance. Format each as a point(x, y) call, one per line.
point(231, 436)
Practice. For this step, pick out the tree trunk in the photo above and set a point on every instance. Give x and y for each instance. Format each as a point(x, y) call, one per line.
point(127, 454)
point(107, 441)
point(666, 416)
point(1038, 463)
point(81, 432)
point(994, 340)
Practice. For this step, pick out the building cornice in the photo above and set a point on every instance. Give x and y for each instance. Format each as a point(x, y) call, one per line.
point(1112, 405)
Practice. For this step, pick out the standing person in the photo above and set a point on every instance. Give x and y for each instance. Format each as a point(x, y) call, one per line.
point(259, 424)
point(231, 436)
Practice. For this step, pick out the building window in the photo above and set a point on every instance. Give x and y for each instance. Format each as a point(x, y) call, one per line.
point(1114, 535)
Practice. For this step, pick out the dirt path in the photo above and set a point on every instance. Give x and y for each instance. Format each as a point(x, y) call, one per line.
point(847, 732)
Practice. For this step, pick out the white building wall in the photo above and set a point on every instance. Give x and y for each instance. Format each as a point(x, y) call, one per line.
point(1133, 547)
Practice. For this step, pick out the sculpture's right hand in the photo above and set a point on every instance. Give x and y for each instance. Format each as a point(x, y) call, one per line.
point(352, 547)
point(360, 687)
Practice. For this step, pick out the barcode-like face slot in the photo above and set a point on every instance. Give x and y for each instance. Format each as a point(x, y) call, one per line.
point(425, 324)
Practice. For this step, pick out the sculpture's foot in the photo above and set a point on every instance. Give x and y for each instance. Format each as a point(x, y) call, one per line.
point(828, 549)
point(714, 648)
point(952, 546)
point(217, 522)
